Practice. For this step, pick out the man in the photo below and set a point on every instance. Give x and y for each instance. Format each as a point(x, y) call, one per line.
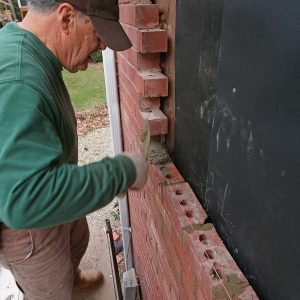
point(44, 195)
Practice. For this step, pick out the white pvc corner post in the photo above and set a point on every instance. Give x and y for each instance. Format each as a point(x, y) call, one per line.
point(109, 64)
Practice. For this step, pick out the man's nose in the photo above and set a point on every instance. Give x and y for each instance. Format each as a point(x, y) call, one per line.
point(101, 46)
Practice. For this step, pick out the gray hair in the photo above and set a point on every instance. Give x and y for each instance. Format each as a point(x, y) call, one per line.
point(48, 6)
point(43, 6)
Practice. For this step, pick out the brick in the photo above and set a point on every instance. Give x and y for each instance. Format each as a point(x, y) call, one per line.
point(201, 265)
point(184, 204)
point(220, 260)
point(152, 84)
point(167, 222)
point(166, 174)
point(183, 295)
point(147, 40)
point(142, 61)
point(158, 122)
point(172, 256)
point(134, 126)
point(148, 103)
point(179, 201)
point(157, 216)
point(199, 294)
point(168, 280)
point(129, 102)
point(189, 289)
point(141, 15)
point(148, 84)
point(145, 103)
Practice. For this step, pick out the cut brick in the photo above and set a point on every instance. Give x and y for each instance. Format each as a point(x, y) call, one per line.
point(158, 122)
point(144, 103)
point(141, 15)
point(148, 84)
point(142, 61)
point(147, 40)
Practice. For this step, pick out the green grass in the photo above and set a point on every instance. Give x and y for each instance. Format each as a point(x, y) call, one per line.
point(86, 88)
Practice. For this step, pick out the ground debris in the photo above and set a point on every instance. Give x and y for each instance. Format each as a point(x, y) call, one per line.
point(90, 119)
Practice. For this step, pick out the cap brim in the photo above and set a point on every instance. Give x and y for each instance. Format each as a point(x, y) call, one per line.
point(111, 33)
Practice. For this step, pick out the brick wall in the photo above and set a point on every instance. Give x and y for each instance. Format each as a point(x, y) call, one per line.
point(177, 254)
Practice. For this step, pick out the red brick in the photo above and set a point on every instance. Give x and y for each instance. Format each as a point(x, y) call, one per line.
point(157, 237)
point(221, 260)
point(142, 61)
point(152, 84)
point(189, 290)
point(168, 280)
point(128, 102)
point(167, 222)
point(142, 16)
point(157, 216)
point(145, 103)
point(149, 103)
point(199, 294)
point(183, 295)
point(200, 265)
point(182, 201)
point(174, 197)
point(147, 40)
point(149, 84)
point(126, 92)
point(166, 174)
point(172, 256)
point(158, 122)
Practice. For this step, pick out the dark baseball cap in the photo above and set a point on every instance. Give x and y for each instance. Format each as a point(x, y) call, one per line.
point(104, 15)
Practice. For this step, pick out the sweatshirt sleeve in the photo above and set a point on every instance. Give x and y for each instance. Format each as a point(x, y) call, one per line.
point(35, 192)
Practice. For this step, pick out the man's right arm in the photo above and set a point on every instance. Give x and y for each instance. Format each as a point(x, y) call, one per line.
point(34, 191)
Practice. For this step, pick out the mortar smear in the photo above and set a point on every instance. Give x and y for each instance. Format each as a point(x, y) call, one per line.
point(145, 139)
point(234, 285)
point(202, 227)
point(158, 154)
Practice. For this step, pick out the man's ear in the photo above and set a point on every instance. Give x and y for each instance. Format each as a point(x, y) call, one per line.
point(66, 16)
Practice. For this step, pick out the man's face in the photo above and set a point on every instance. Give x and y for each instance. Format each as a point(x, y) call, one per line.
point(82, 42)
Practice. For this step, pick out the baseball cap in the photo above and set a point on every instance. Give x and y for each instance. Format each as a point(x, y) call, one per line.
point(104, 15)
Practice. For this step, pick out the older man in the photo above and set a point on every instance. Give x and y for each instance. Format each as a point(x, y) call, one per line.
point(44, 195)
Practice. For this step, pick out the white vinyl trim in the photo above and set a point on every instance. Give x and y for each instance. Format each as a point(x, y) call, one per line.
point(109, 64)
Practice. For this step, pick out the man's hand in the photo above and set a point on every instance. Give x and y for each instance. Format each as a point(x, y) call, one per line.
point(141, 168)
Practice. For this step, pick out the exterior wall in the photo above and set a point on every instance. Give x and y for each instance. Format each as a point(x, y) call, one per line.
point(177, 252)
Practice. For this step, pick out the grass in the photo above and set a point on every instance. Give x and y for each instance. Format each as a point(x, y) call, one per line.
point(87, 88)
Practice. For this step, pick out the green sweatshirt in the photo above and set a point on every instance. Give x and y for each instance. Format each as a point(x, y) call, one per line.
point(40, 182)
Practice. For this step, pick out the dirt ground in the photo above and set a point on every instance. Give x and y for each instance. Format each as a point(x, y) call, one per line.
point(91, 119)
point(94, 139)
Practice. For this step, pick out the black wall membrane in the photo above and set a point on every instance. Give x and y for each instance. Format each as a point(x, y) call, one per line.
point(198, 32)
point(253, 186)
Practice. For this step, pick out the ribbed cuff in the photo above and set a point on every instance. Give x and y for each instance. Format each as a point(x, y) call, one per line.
point(129, 168)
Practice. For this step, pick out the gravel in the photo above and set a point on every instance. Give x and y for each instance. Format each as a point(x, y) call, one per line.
point(92, 147)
